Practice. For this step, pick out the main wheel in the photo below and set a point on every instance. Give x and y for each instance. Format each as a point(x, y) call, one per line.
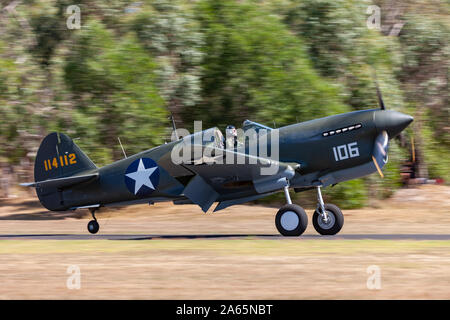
point(291, 220)
point(334, 223)
point(93, 226)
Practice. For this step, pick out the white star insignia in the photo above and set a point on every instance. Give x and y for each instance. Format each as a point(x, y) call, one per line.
point(142, 177)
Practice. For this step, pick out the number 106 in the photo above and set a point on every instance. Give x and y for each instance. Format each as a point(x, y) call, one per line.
point(346, 151)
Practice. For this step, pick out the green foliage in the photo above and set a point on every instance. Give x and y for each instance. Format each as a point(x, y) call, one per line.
point(171, 34)
point(342, 47)
point(348, 195)
point(331, 29)
point(49, 30)
point(426, 46)
point(255, 66)
point(437, 157)
point(423, 40)
point(383, 187)
point(113, 82)
point(21, 81)
point(222, 62)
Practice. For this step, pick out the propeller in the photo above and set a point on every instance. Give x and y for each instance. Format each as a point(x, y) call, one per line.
point(380, 97)
point(392, 123)
point(380, 148)
point(380, 151)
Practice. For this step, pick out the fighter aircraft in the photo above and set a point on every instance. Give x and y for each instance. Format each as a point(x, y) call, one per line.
point(312, 154)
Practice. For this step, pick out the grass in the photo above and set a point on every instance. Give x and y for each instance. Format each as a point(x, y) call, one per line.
point(223, 269)
point(247, 267)
point(224, 247)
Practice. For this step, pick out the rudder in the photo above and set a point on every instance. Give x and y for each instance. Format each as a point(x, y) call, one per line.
point(58, 157)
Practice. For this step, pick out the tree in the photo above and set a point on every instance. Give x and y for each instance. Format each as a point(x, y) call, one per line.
point(425, 77)
point(169, 31)
point(254, 67)
point(113, 82)
point(22, 116)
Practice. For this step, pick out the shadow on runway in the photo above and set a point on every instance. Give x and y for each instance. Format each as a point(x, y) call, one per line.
point(45, 215)
point(222, 236)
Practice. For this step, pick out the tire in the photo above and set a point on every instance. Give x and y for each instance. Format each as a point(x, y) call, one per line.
point(93, 226)
point(336, 220)
point(291, 220)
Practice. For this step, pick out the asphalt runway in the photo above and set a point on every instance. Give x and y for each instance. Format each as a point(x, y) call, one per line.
point(421, 237)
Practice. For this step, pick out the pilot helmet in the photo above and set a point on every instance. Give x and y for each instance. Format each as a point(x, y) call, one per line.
point(231, 131)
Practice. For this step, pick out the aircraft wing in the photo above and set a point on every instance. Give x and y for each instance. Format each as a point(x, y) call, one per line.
point(211, 179)
point(61, 182)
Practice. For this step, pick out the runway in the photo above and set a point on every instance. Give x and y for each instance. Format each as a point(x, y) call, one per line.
point(417, 237)
point(172, 253)
point(236, 253)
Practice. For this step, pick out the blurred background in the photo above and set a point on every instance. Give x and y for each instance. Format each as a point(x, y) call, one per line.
point(120, 68)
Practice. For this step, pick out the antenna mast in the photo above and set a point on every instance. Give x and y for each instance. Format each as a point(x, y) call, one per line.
point(123, 150)
point(174, 127)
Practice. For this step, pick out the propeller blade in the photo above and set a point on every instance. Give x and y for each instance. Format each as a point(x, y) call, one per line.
point(380, 151)
point(378, 168)
point(380, 97)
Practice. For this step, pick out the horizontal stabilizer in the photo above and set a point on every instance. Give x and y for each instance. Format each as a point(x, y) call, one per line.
point(61, 182)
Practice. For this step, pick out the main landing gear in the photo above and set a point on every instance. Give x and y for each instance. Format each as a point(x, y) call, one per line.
point(291, 219)
point(93, 225)
point(328, 218)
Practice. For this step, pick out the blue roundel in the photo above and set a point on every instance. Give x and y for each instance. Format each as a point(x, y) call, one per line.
point(142, 177)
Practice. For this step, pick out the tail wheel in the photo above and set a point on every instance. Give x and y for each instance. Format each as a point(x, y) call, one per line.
point(334, 223)
point(291, 220)
point(93, 226)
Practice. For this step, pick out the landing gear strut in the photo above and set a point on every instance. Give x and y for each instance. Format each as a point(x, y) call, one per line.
point(93, 225)
point(291, 219)
point(328, 218)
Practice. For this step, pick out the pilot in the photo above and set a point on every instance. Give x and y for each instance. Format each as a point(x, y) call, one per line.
point(231, 141)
